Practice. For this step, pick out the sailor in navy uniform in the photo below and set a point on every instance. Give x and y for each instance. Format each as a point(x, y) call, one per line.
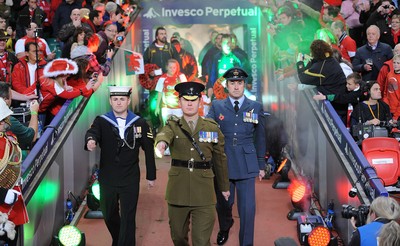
point(241, 120)
point(120, 133)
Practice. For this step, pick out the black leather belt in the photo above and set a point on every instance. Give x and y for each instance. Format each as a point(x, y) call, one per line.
point(191, 164)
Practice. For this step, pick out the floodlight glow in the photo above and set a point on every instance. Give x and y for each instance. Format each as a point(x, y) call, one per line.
point(70, 236)
point(96, 190)
point(319, 236)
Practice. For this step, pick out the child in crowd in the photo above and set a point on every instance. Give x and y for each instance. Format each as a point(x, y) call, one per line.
point(167, 99)
point(391, 95)
point(352, 97)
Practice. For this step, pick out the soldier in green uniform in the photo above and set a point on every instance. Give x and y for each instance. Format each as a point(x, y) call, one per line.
point(197, 148)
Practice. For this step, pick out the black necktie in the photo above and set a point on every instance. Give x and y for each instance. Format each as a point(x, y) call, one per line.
point(236, 107)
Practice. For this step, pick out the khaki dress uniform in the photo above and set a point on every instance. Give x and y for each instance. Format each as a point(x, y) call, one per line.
point(190, 188)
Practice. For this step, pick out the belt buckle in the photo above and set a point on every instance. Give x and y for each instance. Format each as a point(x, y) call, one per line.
point(234, 141)
point(191, 164)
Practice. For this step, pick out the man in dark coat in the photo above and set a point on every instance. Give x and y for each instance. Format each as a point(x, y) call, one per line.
point(242, 121)
point(120, 134)
point(62, 14)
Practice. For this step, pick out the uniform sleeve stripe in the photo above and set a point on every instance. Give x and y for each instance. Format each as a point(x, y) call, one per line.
point(314, 74)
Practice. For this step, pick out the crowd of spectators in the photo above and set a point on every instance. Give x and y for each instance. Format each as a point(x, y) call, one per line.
point(363, 36)
point(85, 32)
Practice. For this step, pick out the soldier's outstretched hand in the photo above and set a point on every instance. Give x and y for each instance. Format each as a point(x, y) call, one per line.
point(160, 148)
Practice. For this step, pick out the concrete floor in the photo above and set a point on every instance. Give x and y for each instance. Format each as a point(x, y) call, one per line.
point(152, 217)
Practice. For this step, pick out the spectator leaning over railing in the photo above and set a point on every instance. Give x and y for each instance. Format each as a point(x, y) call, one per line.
point(85, 75)
point(54, 90)
point(85, 52)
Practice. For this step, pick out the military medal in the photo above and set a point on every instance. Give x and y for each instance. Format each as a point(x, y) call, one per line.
point(138, 132)
point(255, 118)
point(214, 137)
point(201, 136)
point(250, 117)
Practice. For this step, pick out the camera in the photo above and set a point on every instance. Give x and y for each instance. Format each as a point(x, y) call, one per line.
point(360, 213)
point(95, 75)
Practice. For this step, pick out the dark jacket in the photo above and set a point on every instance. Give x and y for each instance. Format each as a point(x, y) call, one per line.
point(24, 19)
point(160, 57)
point(103, 46)
point(362, 113)
point(326, 74)
point(62, 15)
point(119, 165)
point(382, 53)
point(244, 140)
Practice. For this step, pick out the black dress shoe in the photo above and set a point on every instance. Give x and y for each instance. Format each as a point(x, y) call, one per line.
point(223, 236)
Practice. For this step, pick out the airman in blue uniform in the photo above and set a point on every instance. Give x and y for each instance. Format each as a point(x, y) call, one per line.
point(241, 120)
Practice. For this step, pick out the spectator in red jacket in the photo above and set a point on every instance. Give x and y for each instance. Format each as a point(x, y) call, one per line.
point(54, 89)
point(24, 74)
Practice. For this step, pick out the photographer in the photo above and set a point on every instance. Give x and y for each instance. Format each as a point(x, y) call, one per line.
point(382, 210)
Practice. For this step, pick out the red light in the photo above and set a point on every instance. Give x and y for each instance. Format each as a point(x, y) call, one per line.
point(282, 165)
point(297, 190)
point(319, 236)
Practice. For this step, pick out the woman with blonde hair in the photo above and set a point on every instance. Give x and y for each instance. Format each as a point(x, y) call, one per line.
point(390, 234)
point(382, 211)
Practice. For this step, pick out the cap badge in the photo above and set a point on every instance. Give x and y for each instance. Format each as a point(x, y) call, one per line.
point(236, 73)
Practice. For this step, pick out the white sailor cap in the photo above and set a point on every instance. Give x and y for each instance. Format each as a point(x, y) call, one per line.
point(120, 90)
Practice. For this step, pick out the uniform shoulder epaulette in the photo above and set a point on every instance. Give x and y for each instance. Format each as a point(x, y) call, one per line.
point(211, 121)
point(173, 118)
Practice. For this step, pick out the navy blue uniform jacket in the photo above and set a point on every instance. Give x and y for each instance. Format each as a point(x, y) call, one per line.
point(244, 141)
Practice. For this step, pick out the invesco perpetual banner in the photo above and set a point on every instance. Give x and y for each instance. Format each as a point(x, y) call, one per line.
point(193, 20)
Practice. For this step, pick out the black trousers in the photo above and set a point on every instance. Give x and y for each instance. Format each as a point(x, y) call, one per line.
point(120, 223)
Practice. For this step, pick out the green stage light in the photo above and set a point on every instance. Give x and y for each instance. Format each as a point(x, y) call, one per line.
point(93, 202)
point(96, 190)
point(71, 236)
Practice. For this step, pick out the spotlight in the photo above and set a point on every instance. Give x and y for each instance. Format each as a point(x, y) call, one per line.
point(305, 225)
point(319, 236)
point(283, 181)
point(93, 202)
point(70, 236)
point(300, 193)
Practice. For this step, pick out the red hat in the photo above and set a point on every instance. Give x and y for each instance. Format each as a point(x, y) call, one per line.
point(336, 3)
point(60, 66)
